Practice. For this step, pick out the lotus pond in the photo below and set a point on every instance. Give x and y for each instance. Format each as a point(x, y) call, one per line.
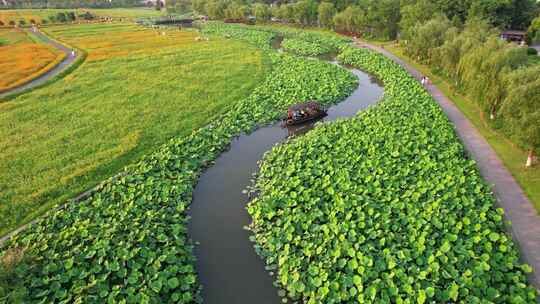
point(384, 207)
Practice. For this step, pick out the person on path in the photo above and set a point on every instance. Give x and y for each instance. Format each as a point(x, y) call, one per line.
point(423, 81)
point(72, 53)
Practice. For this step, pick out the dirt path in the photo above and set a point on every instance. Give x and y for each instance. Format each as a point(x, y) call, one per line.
point(518, 209)
point(49, 74)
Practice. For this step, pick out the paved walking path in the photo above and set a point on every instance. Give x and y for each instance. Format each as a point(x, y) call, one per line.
point(49, 74)
point(518, 209)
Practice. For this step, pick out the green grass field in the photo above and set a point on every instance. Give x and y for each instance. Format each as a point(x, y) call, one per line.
point(39, 14)
point(512, 156)
point(136, 89)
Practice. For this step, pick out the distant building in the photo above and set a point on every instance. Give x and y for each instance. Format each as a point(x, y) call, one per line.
point(514, 36)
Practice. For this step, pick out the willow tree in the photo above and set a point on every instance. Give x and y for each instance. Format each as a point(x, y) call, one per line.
point(416, 13)
point(483, 69)
point(457, 44)
point(426, 37)
point(236, 10)
point(352, 19)
point(326, 13)
point(261, 12)
point(216, 9)
point(533, 32)
point(520, 111)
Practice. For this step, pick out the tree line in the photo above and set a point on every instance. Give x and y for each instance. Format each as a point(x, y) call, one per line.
point(18, 4)
point(383, 19)
point(498, 75)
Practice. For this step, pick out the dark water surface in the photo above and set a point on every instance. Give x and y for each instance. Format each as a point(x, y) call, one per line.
point(229, 269)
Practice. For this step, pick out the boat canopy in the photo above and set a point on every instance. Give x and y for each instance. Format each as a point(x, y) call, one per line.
point(305, 105)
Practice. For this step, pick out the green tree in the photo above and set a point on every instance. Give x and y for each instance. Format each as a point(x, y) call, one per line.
point(352, 19)
point(261, 12)
point(326, 13)
point(71, 16)
point(521, 109)
point(412, 14)
point(199, 6)
point(383, 18)
point(516, 14)
point(457, 44)
point(236, 10)
point(216, 9)
point(61, 17)
point(425, 38)
point(533, 32)
point(305, 12)
point(483, 69)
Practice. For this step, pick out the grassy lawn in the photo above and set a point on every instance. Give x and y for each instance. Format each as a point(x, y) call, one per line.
point(39, 14)
point(137, 89)
point(23, 57)
point(512, 156)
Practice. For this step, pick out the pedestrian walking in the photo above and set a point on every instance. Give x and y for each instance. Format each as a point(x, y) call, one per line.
point(423, 81)
point(72, 53)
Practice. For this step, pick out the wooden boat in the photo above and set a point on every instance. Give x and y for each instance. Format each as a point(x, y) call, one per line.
point(304, 112)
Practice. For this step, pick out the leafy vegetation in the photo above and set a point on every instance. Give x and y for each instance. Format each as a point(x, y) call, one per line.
point(128, 240)
point(23, 59)
point(303, 48)
point(131, 79)
point(511, 155)
point(479, 64)
point(384, 208)
point(261, 39)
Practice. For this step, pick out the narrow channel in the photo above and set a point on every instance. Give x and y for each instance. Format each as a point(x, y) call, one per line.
point(229, 269)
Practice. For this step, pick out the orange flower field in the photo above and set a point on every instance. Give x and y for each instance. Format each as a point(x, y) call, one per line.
point(22, 59)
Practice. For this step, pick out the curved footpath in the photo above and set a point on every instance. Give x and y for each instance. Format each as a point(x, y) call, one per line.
point(518, 209)
point(68, 60)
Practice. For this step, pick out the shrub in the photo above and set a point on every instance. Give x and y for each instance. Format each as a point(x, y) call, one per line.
point(71, 16)
point(87, 16)
point(22, 22)
point(61, 17)
point(532, 51)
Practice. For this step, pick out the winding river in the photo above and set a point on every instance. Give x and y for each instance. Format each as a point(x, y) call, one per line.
point(228, 267)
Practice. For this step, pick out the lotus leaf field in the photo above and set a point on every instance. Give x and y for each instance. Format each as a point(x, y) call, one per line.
point(303, 47)
point(384, 208)
point(381, 208)
point(128, 241)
